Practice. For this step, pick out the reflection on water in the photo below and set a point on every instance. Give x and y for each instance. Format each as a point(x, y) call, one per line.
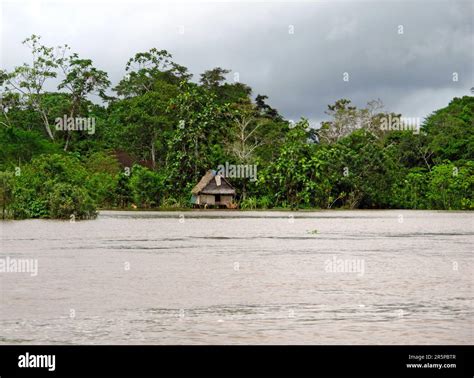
point(215, 277)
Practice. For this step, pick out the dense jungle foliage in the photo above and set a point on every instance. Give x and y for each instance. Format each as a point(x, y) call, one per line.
point(174, 129)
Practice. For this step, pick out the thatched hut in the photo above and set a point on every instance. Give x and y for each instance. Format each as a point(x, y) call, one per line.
point(213, 190)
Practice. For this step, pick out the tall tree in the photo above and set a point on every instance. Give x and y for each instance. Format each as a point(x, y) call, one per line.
point(147, 69)
point(81, 80)
point(29, 80)
point(196, 142)
point(213, 78)
point(143, 123)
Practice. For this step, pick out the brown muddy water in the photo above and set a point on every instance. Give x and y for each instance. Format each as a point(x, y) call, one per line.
point(215, 277)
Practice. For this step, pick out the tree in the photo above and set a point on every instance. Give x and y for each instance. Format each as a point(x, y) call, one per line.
point(146, 69)
point(347, 118)
point(196, 141)
point(266, 110)
point(451, 187)
point(296, 175)
point(367, 170)
point(412, 150)
point(179, 130)
point(214, 81)
point(29, 80)
point(28, 83)
point(81, 80)
point(104, 172)
point(6, 189)
point(344, 121)
point(213, 78)
point(20, 146)
point(450, 131)
point(52, 186)
point(147, 187)
point(243, 139)
point(411, 191)
point(143, 122)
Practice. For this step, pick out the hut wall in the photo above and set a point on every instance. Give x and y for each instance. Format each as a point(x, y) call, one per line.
point(207, 199)
point(226, 199)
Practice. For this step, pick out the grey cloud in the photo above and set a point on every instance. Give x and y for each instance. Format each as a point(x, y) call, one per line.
point(301, 73)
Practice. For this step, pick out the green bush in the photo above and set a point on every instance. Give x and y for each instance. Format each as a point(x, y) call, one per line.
point(6, 188)
point(410, 192)
point(451, 187)
point(52, 186)
point(102, 188)
point(123, 193)
point(175, 203)
point(264, 202)
point(146, 186)
point(66, 200)
point(104, 177)
point(249, 203)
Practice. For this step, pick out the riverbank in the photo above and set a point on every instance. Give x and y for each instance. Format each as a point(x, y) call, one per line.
point(273, 213)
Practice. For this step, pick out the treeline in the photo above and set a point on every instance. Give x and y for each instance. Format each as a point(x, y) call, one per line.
point(60, 149)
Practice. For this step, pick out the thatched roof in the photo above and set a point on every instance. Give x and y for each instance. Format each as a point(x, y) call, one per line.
point(209, 184)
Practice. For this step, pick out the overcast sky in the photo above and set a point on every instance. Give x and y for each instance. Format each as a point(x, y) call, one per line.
point(301, 72)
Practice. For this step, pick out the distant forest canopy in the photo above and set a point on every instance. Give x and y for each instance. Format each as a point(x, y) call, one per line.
point(63, 155)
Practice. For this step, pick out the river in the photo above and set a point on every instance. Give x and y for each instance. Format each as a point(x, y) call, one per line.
point(229, 277)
